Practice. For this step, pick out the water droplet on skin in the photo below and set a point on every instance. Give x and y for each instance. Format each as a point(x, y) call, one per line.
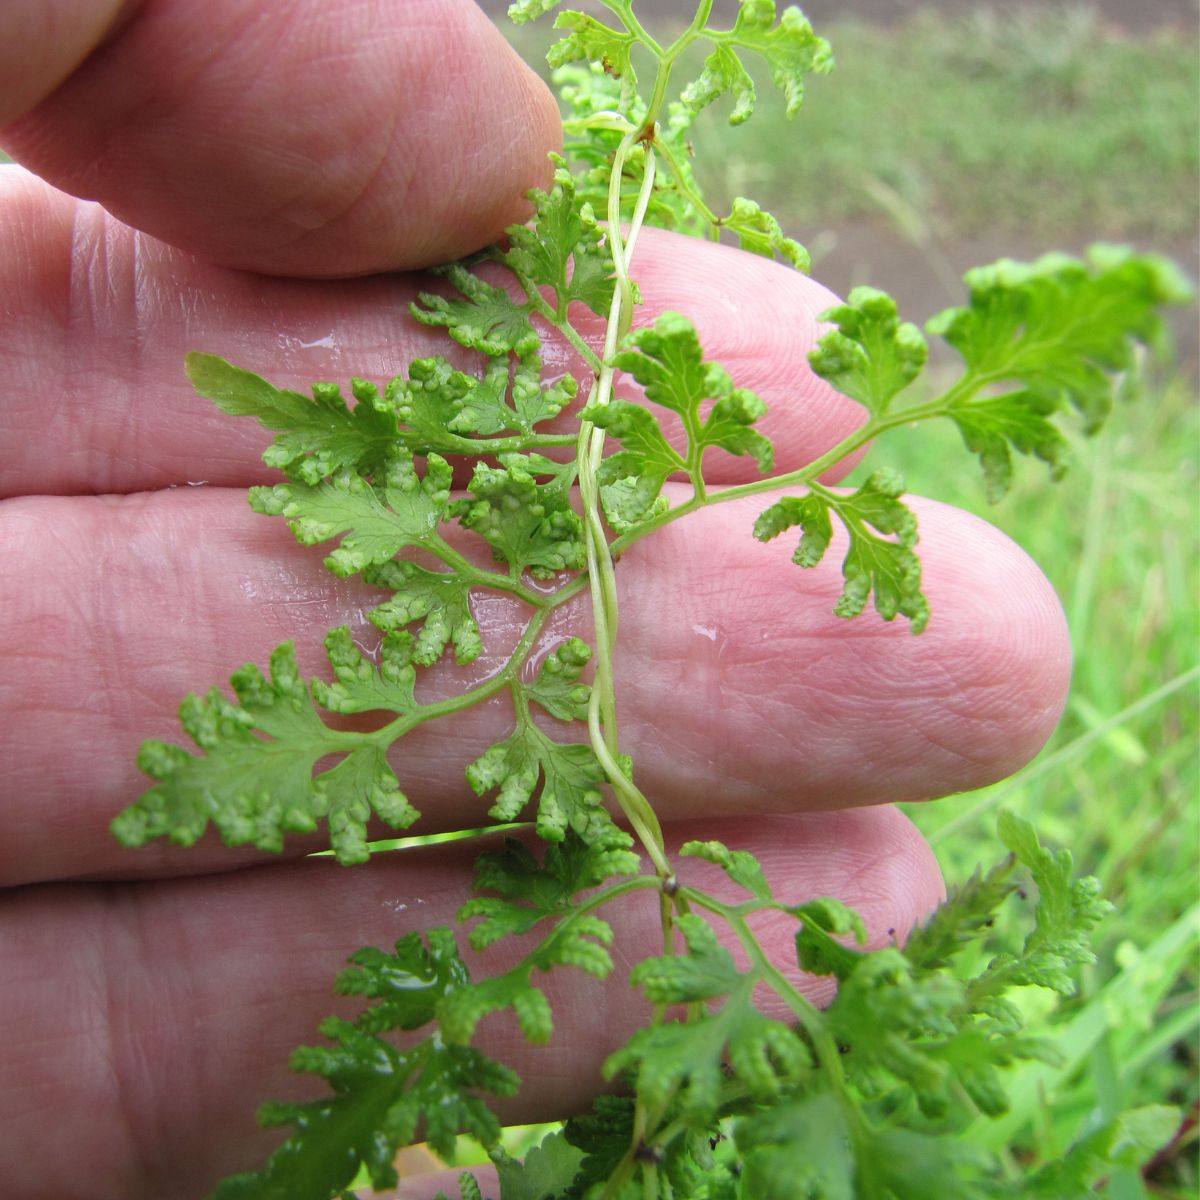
point(290, 342)
point(544, 587)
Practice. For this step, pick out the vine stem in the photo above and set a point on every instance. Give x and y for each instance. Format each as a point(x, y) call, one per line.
point(806, 1012)
point(602, 708)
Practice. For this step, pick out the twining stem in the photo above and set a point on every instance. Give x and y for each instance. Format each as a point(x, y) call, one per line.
point(602, 710)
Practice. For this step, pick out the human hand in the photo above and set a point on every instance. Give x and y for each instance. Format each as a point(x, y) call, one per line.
point(151, 998)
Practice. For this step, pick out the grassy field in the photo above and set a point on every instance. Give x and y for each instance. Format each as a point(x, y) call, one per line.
point(1039, 122)
point(1052, 128)
point(1032, 122)
point(1118, 784)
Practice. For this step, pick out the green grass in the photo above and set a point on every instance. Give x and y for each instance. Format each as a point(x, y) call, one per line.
point(1033, 122)
point(1119, 782)
point(1036, 122)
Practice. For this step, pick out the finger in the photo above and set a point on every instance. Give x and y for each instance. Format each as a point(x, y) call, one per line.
point(42, 42)
point(303, 138)
point(162, 1032)
point(738, 689)
point(98, 320)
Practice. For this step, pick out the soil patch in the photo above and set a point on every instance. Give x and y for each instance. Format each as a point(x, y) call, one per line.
point(925, 278)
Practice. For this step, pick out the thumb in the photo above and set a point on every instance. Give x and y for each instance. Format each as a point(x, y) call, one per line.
point(301, 137)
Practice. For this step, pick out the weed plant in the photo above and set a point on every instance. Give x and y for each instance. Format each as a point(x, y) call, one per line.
point(941, 1083)
point(1101, 133)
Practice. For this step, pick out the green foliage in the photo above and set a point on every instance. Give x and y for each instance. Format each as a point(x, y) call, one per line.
point(570, 777)
point(1057, 328)
point(529, 10)
point(319, 437)
point(377, 520)
point(740, 865)
point(802, 1147)
point(604, 1136)
point(255, 779)
point(563, 249)
point(1117, 783)
point(530, 892)
point(530, 526)
point(903, 1086)
point(872, 355)
point(1066, 914)
point(408, 984)
point(820, 945)
point(542, 1171)
point(874, 565)
point(468, 1188)
point(443, 409)
point(439, 600)
point(481, 406)
point(593, 41)
point(1127, 1141)
point(668, 362)
point(381, 1095)
point(690, 1061)
point(557, 688)
point(790, 50)
point(486, 318)
point(760, 233)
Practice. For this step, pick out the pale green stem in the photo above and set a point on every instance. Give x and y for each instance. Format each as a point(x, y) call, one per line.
point(409, 721)
point(806, 474)
point(649, 1182)
point(480, 577)
point(564, 326)
point(602, 710)
point(806, 1012)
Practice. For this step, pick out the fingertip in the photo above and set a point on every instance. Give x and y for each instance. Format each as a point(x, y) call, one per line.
point(1001, 618)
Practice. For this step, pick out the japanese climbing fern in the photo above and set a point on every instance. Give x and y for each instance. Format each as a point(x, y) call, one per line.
point(713, 1098)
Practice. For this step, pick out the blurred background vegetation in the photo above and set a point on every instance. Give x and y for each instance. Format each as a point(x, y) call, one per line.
point(950, 135)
